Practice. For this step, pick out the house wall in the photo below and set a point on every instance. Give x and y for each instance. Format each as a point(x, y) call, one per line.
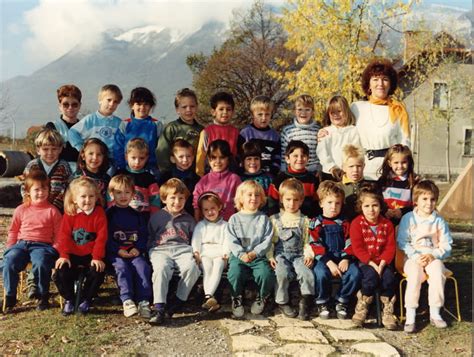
point(429, 133)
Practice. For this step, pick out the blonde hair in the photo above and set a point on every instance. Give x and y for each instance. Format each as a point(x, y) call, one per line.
point(119, 181)
point(291, 185)
point(305, 100)
point(262, 101)
point(173, 185)
point(338, 102)
point(137, 144)
point(330, 188)
point(34, 176)
point(110, 88)
point(69, 206)
point(425, 186)
point(248, 185)
point(352, 152)
point(48, 136)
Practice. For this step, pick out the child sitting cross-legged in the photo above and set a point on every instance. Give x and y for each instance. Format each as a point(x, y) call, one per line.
point(333, 252)
point(291, 256)
point(169, 237)
point(249, 233)
point(126, 248)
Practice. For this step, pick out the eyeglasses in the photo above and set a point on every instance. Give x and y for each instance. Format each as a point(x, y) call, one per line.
point(67, 105)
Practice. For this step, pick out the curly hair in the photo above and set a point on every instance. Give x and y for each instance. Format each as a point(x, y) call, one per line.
point(379, 67)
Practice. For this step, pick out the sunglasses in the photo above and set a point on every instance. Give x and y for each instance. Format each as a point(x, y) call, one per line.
point(72, 105)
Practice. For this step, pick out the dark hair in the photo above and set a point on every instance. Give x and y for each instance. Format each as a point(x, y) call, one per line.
point(379, 67)
point(221, 145)
point(184, 93)
point(141, 95)
point(69, 91)
point(221, 97)
point(81, 163)
point(250, 149)
point(181, 143)
point(296, 144)
point(111, 88)
point(385, 170)
point(373, 191)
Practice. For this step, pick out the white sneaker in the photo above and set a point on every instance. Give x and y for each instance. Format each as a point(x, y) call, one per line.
point(129, 308)
point(144, 309)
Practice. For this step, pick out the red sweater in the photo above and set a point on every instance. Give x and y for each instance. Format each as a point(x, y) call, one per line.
point(35, 223)
point(367, 246)
point(84, 234)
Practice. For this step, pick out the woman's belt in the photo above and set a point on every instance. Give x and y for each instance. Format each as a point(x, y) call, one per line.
point(376, 153)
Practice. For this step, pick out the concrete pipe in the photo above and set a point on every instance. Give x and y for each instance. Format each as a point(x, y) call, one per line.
point(12, 163)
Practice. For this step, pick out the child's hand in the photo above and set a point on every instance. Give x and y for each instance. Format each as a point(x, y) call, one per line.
point(122, 253)
point(134, 252)
point(373, 265)
point(273, 263)
point(322, 133)
point(61, 261)
point(422, 261)
point(381, 267)
point(333, 268)
point(197, 257)
point(337, 173)
point(252, 256)
point(308, 261)
point(245, 258)
point(99, 265)
point(394, 213)
point(343, 265)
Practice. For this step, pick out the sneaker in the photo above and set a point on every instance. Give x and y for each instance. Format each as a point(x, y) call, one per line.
point(43, 304)
point(287, 310)
point(237, 307)
point(211, 304)
point(175, 306)
point(409, 328)
point(324, 311)
point(157, 317)
point(257, 306)
point(68, 308)
point(84, 307)
point(438, 323)
point(129, 308)
point(33, 293)
point(144, 309)
point(341, 311)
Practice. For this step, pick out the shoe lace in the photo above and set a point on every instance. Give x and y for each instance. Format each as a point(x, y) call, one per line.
point(237, 302)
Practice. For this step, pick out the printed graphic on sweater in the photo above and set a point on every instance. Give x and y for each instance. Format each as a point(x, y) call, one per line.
point(126, 238)
point(82, 237)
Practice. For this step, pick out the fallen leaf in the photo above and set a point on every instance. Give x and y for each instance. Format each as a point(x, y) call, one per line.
point(64, 339)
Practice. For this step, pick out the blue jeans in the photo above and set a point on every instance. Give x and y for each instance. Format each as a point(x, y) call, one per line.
point(16, 258)
point(323, 279)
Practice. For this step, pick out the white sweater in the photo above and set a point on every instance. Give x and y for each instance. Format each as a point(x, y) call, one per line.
point(376, 132)
point(209, 238)
point(329, 149)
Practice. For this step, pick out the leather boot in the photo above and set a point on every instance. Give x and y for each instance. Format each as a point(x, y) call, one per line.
point(389, 320)
point(361, 309)
point(305, 307)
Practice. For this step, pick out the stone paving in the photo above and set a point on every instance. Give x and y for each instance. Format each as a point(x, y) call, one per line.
point(279, 335)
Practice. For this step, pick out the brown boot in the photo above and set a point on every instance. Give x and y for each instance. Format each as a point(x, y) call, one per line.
point(361, 309)
point(389, 320)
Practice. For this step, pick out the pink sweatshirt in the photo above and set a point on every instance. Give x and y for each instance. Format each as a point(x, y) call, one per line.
point(36, 223)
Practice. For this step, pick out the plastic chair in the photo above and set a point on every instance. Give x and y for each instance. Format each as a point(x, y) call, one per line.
point(21, 285)
point(399, 263)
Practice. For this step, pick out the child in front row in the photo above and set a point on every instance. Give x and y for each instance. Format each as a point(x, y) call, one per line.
point(209, 246)
point(333, 252)
point(32, 236)
point(82, 241)
point(425, 238)
point(126, 249)
point(249, 234)
point(290, 255)
point(373, 243)
point(169, 243)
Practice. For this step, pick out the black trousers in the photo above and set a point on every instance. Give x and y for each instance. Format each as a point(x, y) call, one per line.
point(371, 281)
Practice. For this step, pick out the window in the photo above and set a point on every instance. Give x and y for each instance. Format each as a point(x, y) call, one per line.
point(440, 96)
point(468, 143)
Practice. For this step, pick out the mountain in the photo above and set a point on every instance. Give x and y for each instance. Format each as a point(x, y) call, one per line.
point(150, 56)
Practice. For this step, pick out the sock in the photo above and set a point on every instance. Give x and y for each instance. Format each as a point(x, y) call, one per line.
point(435, 312)
point(411, 315)
point(159, 306)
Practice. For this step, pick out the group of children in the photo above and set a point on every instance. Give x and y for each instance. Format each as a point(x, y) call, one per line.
point(271, 207)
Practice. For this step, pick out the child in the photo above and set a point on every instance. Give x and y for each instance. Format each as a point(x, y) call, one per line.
point(260, 132)
point(139, 125)
point(251, 166)
point(296, 157)
point(126, 249)
point(69, 98)
point(222, 109)
point(102, 124)
point(209, 246)
point(93, 162)
point(249, 234)
point(289, 256)
point(49, 144)
point(182, 161)
point(146, 198)
point(185, 127)
point(338, 122)
point(170, 231)
point(82, 240)
point(397, 180)
point(220, 180)
point(373, 243)
point(32, 236)
point(333, 252)
point(353, 163)
point(424, 237)
point(304, 129)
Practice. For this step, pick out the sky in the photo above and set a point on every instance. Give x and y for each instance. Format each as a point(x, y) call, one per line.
point(36, 32)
